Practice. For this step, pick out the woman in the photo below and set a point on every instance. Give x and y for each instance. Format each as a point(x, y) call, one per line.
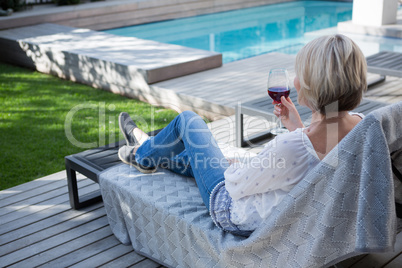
point(330, 80)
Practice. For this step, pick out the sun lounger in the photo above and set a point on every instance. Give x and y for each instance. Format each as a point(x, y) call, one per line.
point(343, 207)
point(385, 63)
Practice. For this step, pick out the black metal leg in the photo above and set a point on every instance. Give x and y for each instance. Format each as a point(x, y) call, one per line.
point(89, 199)
point(240, 141)
point(72, 188)
point(75, 201)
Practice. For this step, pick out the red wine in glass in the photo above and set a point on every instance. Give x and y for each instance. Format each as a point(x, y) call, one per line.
point(276, 93)
point(278, 86)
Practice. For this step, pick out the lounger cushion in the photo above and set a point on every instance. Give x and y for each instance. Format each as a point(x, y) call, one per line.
point(163, 216)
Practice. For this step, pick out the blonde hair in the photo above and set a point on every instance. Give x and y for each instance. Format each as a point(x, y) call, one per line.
point(331, 69)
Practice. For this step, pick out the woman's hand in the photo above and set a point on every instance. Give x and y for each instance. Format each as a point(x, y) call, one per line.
point(288, 114)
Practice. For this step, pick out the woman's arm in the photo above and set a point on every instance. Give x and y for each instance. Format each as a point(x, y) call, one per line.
point(288, 114)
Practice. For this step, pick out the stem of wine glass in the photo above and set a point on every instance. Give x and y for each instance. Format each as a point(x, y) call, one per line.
point(280, 118)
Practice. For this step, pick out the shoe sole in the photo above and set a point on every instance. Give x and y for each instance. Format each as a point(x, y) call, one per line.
point(124, 133)
point(137, 166)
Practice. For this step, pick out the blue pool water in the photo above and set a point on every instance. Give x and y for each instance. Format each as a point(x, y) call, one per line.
point(247, 32)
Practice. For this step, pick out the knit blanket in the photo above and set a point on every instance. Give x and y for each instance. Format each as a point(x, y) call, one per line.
point(343, 207)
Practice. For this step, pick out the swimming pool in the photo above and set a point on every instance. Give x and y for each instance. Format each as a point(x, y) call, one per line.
point(247, 32)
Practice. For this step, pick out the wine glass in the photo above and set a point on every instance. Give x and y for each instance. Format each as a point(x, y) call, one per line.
point(278, 86)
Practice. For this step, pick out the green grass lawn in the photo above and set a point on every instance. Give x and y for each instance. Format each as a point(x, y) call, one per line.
point(35, 111)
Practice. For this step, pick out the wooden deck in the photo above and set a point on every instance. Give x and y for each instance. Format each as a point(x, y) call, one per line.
point(38, 228)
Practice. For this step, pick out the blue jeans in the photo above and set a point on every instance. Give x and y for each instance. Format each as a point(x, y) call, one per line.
point(186, 146)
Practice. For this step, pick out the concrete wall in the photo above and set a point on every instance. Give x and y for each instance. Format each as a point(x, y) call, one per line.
point(112, 14)
point(377, 13)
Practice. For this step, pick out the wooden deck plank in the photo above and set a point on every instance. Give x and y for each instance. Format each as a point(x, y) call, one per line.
point(25, 221)
point(127, 260)
point(22, 188)
point(87, 256)
point(146, 263)
point(24, 196)
point(59, 245)
point(52, 192)
point(52, 221)
point(37, 213)
point(115, 252)
point(57, 229)
point(47, 203)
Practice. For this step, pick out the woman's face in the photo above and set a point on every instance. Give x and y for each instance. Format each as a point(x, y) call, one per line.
point(296, 83)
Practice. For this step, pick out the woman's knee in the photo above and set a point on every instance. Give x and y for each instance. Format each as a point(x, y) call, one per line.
point(188, 121)
point(189, 114)
point(189, 117)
